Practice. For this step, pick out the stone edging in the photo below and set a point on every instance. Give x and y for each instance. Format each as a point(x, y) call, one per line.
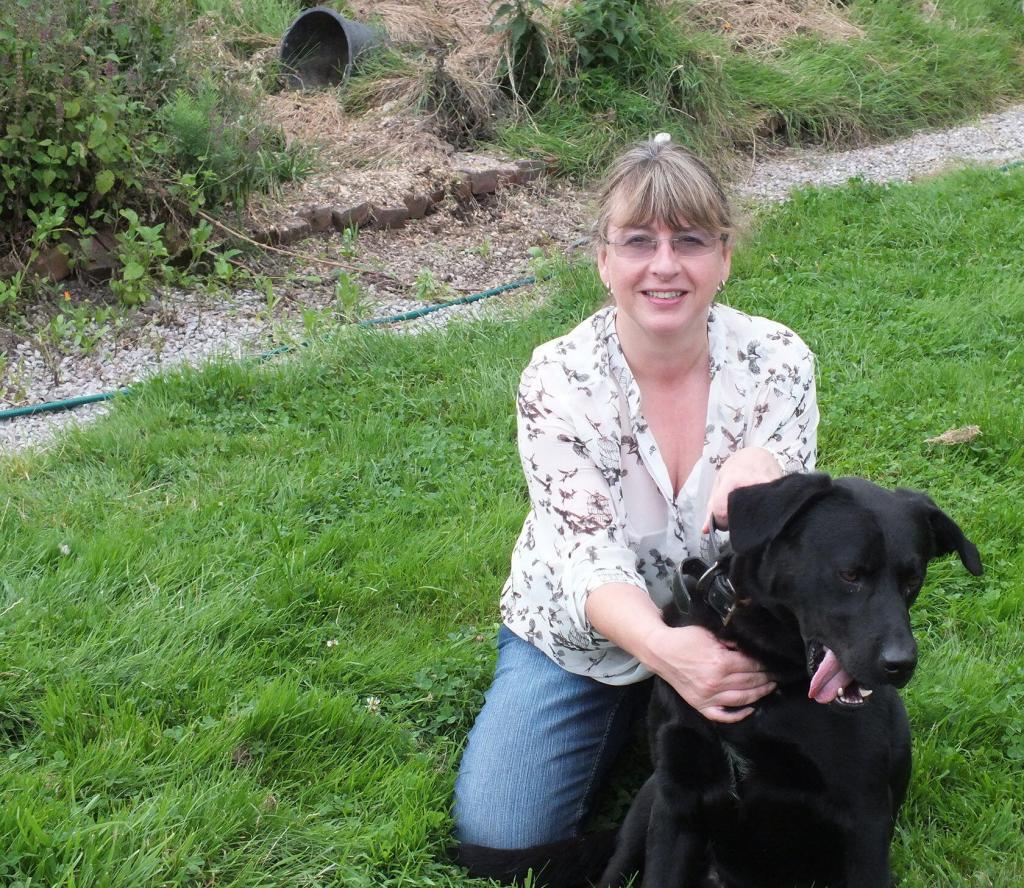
point(98, 262)
point(468, 183)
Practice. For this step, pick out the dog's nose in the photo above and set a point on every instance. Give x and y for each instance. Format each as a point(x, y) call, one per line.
point(899, 664)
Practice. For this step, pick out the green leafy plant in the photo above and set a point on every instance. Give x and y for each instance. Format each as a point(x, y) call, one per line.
point(74, 123)
point(527, 54)
point(142, 254)
point(349, 239)
point(428, 288)
point(545, 263)
point(212, 131)
point(443, 700)
point(100, 111)
point(47, 223)
point(79, 328)
point(612, 34)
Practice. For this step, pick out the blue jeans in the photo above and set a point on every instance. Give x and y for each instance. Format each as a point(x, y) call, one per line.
point(539, 750)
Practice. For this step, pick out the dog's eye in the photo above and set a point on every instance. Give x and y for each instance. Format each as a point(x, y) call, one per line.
point(849, 576)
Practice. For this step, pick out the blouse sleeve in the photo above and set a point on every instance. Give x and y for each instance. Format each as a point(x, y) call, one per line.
point(572, 493)
point(786, 415)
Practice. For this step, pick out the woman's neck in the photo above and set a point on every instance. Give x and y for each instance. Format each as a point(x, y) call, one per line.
point(659, 360)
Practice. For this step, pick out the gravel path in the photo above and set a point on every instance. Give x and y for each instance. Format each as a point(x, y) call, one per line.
point(459, 254)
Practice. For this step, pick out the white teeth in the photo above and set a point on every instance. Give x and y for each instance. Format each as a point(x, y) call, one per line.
point(655, 294)
point(866, 692)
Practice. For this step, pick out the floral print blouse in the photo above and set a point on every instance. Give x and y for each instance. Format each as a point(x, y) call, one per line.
point(602, 506)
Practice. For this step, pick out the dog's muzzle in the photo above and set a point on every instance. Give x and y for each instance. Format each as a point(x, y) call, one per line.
point(830, 682)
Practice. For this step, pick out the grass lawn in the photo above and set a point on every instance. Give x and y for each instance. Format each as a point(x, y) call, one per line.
point(247, 619)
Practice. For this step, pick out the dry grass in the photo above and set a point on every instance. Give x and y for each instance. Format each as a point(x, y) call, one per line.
point(763, 25)
point(314, 118)
point(429, 22)
point(404, 124)
point(461, 68)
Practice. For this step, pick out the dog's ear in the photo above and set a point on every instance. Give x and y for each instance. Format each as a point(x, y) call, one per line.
point(946, 533)
point(758, 513)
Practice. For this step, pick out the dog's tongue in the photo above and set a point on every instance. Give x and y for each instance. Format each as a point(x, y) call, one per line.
point(829, 679)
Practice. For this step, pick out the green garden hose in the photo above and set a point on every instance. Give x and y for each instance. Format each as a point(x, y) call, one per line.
point(71, 403)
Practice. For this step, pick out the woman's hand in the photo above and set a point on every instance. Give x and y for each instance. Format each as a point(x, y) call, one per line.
point(751, 465)
point(716, 680)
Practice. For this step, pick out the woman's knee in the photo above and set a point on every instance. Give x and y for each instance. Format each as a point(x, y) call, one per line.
point(530, 763)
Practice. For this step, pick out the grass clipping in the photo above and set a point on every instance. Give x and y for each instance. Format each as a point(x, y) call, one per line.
point(764, 25)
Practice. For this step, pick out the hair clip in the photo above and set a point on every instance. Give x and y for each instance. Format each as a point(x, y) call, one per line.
point(662, 139)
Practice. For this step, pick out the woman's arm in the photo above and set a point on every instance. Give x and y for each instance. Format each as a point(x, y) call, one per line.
point(705, 672)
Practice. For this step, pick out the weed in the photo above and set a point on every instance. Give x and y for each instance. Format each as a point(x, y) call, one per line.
point(313, 323)
point(348, 298)
point(142, 254)
point(442, 700)
point(271, 297)
point(427, 288)
point(47, 223)
point(78, 328)
point(612, 34)
point(349, 242)
point(100, 114)
point(545, 264)
point(229, 150)
point(527, 56)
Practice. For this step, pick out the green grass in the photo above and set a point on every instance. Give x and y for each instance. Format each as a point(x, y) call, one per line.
point(271, 18)
point(904, 74)
point(247, 619)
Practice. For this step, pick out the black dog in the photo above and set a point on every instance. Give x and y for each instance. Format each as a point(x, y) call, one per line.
point(804, 791)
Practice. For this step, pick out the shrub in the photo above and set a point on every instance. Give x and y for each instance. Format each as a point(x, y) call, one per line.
point(97, 117)
point(213, 133)
point(72, 98)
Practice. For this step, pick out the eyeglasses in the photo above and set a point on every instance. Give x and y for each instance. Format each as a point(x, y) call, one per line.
point(686, 243)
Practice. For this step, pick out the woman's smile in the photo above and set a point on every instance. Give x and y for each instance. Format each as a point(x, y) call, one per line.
point(665, 296)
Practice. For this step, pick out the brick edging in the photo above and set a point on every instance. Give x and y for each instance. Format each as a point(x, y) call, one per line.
point(466, 184)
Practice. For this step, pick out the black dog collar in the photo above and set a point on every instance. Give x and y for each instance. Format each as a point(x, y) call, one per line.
point(710, 584)
point(718, 591)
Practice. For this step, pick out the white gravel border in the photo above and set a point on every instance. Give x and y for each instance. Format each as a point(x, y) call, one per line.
point(190, 329)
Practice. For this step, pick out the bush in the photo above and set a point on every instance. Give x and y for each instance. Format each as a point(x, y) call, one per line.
point(73, 89)
point(99, 113)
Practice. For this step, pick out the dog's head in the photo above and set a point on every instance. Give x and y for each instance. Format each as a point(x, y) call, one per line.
point(846, 559)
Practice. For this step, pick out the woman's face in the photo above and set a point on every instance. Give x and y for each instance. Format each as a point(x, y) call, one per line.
point(671, 290)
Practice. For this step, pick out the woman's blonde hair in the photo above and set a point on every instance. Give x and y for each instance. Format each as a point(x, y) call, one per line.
point(657, 180)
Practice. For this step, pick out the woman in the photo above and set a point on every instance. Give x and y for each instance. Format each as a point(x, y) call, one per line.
point(633, 429)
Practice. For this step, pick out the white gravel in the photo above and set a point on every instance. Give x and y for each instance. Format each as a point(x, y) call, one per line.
point(188, 329)
point(997, 138)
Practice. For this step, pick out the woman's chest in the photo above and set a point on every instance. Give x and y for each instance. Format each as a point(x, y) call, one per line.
point(677, 420)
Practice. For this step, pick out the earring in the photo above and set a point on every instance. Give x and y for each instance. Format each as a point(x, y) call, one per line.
point(721, 287)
